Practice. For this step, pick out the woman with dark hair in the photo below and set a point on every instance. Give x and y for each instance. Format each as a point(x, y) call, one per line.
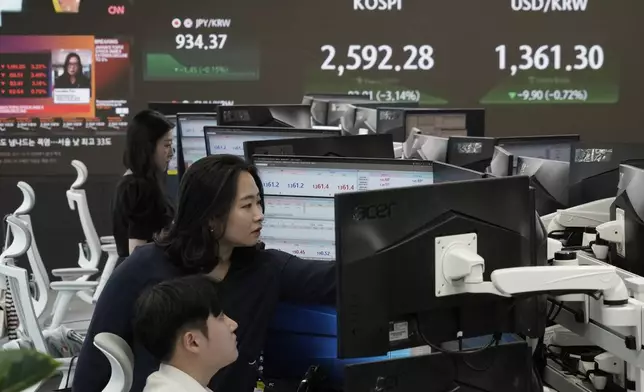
point(72, 76)
point(140, 207)
point(216, 232)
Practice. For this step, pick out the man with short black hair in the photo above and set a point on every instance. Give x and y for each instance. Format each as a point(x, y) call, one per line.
point(181, 323)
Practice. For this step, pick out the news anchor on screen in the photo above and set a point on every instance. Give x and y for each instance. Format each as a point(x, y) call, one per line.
point(72, 76)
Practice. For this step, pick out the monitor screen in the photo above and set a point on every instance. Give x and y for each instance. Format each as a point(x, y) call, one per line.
point(230, 140)
point(299, 191)
point(192, 146)
point(445, 122)
point(365, 146)
point(288, 116)
point(556, 148)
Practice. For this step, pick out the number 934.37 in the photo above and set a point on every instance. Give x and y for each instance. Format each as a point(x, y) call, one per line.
point(377, 57)
point(200, 41)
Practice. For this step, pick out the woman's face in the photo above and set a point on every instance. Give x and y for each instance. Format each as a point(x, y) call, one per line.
point(246, 214)
point(73, 66)
point(164, 151)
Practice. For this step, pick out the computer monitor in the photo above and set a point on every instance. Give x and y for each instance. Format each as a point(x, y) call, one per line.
point(553, 147)
point(299, 219)
point(444, 172)
point(329, 110)
point(470, 152)
point(230, 139)
point(629, 207)
point(381, 117)
point(298, 195)
point(550, 180)
point(429, 148)
point(190, 145)
point(366, 146)
point(503, 368)
point(594, 169)
point(280, 116)
point(386, 247)
point(444, 122)
point(502, 164)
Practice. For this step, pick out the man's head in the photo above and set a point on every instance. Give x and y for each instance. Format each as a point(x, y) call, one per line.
point(181, 320)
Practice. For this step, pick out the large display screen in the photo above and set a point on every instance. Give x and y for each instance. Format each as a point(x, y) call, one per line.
point(569, 65)
point(59, 77)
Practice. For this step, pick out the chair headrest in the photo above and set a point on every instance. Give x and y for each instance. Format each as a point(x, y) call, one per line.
point(81, 174)
point(28, 199)
point(21, 239)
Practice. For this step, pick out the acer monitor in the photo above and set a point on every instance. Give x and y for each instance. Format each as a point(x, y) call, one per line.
point(299, 219)
point(385, 248)
point(231, 139)
point(281, 116)
point(366, 146)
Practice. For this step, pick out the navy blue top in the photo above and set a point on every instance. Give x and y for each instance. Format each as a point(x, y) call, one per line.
point(249, 295)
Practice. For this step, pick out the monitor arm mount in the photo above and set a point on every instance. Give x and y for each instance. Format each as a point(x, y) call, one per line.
point(459, 269)
point(590, 214)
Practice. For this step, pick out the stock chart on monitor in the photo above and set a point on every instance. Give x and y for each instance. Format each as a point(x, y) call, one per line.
point(572, 65)
point(299, 205)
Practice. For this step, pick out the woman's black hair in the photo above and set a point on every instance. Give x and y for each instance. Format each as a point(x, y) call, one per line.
point(206, 195)
point(143, 133)
point(69, 57)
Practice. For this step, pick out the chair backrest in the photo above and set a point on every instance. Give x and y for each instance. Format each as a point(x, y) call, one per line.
point(19, 283)
point(121, 359)
point(41, 278)
point(36, 263)
point(77, 200)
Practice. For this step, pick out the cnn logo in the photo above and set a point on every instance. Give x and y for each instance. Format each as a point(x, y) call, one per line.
point(116, 10)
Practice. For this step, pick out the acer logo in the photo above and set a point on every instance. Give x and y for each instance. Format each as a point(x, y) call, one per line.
point(373, 211)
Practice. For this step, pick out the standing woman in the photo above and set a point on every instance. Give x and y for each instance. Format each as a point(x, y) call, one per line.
point(140, 207)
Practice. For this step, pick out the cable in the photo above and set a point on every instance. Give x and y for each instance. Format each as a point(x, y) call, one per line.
point(439, 349)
